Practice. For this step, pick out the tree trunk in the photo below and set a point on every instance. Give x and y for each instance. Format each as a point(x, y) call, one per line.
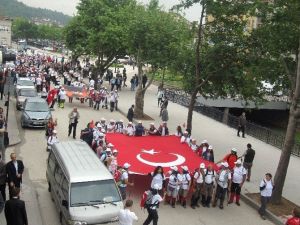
point(191, 110)
point(284, 158)
point(289, 138)
point(139, 94)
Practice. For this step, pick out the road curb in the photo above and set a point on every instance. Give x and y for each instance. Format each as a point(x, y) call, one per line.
point(273, 218)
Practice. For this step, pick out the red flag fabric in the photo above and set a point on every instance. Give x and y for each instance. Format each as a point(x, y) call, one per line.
point(147, 152)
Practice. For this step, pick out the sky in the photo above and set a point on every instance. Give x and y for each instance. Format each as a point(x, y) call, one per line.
point(69, 6)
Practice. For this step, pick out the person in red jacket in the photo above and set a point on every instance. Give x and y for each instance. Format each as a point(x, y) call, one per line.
point(295, 219)
point(230, 158)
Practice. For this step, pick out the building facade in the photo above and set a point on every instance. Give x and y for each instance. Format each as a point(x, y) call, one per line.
point(5, 31)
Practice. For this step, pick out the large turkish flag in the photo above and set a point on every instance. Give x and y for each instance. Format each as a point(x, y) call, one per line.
point(147, 152)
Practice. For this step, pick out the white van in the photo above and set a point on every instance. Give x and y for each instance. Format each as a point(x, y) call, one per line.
point(82, 188)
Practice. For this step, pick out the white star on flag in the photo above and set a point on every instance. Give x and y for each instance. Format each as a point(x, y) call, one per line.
point(151, 152)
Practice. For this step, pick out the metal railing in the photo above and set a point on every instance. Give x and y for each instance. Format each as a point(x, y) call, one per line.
point(262, 133)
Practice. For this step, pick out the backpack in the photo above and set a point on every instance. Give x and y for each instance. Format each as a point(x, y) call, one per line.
point(117, 176)
point(146, 200)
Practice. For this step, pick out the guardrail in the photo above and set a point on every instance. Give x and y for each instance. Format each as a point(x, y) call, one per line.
point(262, 133)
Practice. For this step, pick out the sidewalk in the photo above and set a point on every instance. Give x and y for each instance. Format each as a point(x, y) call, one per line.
point(222, 137)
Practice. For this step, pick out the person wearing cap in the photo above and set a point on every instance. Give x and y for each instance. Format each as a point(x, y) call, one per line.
point(111, 127)
point(248, 160)
point(126, 216)
point(230, 158)
point(193, 145)
point(198, 185)
point(152, 130)
point(103, 124)
point(73, 121)
point(105, 156)
point(223, 180)
point(129, 130)
point(98, 136)
point(62, 97)
point(52, 139)
point(266, 189)
point(130, 113)
point(175, 180)
point(124, 181)
point(209, 179)
point(152, 208)
point(139, 129)
point(163, 129)
point(120, 127)
point(184, 186)
point(208, 155)
point(238, 178)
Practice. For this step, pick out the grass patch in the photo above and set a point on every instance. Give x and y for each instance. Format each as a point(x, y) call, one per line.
point(170, 79)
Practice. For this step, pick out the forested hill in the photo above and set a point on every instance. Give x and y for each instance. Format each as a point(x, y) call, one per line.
point(13, 8)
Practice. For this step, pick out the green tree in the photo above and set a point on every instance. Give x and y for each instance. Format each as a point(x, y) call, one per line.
point(24, 29)
point(100, 30)
point(275, 54)
point(213, 65)
point(154, 38)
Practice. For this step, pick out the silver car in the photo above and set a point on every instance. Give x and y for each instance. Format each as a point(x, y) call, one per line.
point(22, 94)
point(35, 113)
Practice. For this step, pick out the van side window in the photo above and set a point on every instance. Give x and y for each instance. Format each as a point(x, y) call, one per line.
point(51, 162)
point(58, 175)
point(65, 188)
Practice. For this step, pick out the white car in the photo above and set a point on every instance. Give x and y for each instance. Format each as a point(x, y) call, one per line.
point(24, 83)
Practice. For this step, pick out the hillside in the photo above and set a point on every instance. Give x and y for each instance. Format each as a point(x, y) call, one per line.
point(13, 8)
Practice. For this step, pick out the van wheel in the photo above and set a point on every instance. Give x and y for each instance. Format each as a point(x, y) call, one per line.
point(49, 187)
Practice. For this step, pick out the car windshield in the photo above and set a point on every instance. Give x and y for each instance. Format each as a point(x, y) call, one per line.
point(94, 192)
point(25, 83)
point(37, 107)
point(27, 93)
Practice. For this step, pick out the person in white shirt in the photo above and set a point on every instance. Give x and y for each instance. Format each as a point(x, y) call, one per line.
point(62, 97)
point(126, 216)
point(185, 138)
point(209, 179)
point(198, 186)
point(130, 130)
point(266, 188)
point(52, 140)
point(185, 185)
point(223, 179)
point(158, 178)
point(124, 181)
point(38, 84)
point(175, 180)
point(111, 127)
point(92, 83)
point(152, 208)
point(238, 179)
point(120, 126)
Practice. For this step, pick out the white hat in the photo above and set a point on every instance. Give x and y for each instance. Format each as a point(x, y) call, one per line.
point(238, 162)
point(225, 164)
point(174, 168)
point(156, 187)
point(108, 150)
point(126, 165)
point(115, 151)
point(110, 145)
point(185, 132)
point(54, 131)
point(204, 142)
point(121, 121)
point(210, 147)
point(98, 125)
point(129, 122)
point(193, 139)
point(185, 168)
point(151, 123)
point(103, 119)
point(101, 135)
point(112, 120)
point(202, 166)
point(140, 122)
point(234, 150)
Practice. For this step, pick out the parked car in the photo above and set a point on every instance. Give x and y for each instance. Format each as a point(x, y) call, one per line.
point(24, 83)
point(35, 113)
point(22, 94)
